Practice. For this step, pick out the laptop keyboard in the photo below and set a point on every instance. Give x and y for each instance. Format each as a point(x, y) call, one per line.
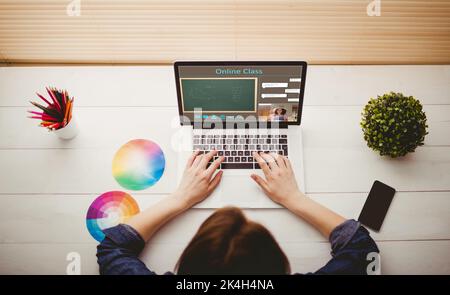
point(238, 149)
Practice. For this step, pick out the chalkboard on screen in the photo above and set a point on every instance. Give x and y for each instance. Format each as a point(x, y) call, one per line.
point(219, 94)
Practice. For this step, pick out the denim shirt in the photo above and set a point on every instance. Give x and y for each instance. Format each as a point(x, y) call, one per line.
point(118, 253)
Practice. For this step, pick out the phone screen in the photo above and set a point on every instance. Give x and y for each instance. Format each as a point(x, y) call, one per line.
point(377, 205)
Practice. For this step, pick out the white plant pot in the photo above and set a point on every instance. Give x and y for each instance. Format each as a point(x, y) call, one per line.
point(69, 131)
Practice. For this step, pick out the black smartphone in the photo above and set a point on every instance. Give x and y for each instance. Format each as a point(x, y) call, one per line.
point(377, 205)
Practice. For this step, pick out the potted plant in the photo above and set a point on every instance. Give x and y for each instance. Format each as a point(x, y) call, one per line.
point(394, 124)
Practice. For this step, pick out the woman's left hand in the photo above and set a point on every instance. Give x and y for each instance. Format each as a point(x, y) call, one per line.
point(198, 181)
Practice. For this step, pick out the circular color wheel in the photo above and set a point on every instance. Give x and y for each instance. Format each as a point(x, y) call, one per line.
point(138, 164)
point(108, 210)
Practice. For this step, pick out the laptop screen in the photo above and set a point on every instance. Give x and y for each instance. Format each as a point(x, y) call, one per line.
point(269, 92)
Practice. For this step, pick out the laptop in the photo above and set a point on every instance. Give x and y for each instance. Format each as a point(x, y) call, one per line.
point(237, 108)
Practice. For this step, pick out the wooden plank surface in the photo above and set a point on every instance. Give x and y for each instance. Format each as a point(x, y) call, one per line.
point(328, 169)
point(31, 149)
point(35, 190)
point(155, 86)
point(318, 124)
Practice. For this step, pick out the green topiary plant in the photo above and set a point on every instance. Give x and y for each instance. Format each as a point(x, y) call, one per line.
point(394, 124)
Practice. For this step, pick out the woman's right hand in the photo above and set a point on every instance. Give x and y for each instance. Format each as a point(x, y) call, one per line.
point(199, 180)
point(279, 183)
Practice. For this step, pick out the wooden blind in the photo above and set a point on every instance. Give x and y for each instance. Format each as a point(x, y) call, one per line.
point(138, 31)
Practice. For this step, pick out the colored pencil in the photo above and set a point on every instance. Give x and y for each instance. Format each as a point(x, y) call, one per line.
point(43, 98)
point(52, 95)
point(67, 112)
point(58, 111)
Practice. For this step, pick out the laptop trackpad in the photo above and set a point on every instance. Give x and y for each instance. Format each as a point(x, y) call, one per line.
point(241, 191)
point(238, 190)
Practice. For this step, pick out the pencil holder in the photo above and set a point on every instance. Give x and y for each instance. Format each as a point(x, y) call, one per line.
point(69, 131)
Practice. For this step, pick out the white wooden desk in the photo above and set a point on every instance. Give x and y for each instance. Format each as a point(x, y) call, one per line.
point(46, 185)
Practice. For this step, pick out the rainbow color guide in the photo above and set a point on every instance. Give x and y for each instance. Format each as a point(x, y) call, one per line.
point(138, 164)
point(108, 210)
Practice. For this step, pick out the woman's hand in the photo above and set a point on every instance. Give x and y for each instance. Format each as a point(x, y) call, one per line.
point(198, 181)
point(279, 183)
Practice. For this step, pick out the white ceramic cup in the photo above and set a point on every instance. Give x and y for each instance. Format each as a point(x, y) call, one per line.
point(69, 131)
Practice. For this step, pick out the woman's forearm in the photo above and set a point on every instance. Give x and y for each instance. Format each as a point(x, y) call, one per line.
point(322, 218)
point(150, 220)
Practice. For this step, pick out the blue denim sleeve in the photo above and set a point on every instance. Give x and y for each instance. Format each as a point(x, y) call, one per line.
point(350, 245)
point(118, 253)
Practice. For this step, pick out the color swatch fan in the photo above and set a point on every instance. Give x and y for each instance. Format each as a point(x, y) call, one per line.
point(138, 164)
point(108, 210)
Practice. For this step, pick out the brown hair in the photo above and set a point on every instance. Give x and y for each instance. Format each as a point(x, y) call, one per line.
point(228, 243)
